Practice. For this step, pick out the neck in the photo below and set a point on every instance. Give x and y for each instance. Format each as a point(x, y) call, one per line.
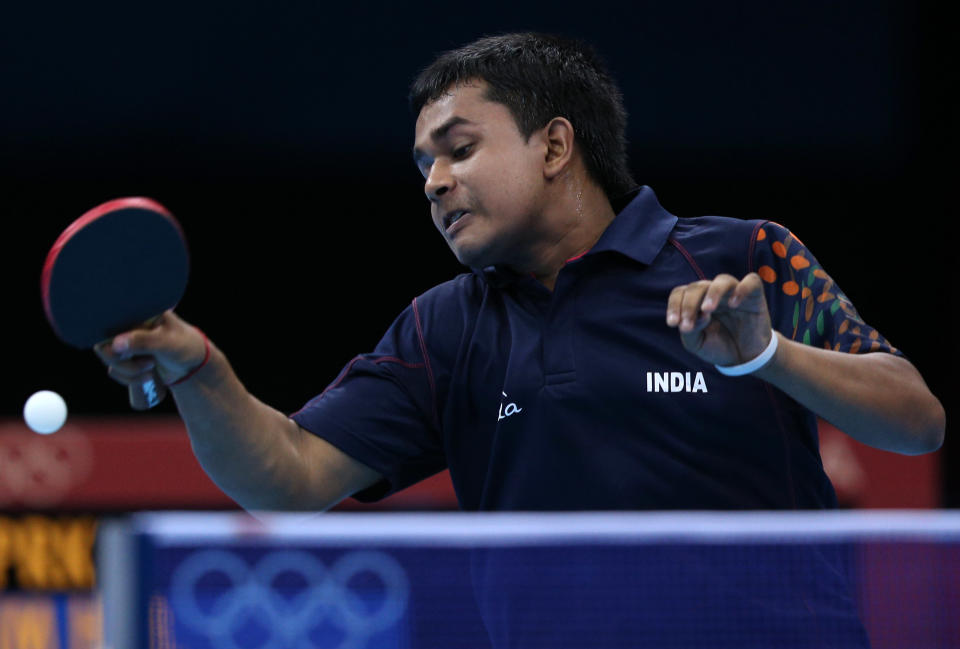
point(580, 218)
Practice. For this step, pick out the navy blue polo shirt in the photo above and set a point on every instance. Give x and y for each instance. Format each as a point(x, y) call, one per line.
point(583, 398)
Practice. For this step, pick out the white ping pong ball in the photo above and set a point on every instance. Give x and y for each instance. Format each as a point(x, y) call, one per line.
point(45, 412)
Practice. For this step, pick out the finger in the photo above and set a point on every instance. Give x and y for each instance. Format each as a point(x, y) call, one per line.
point(108, 354)
point(104, 351)
point(690, 305)
point(122, 379)
point(133, 367)
point(673, 305)
point(129, 375)
point(110, 358)
point(715, 296)
point(747, 291)
point(126, 345)
point(138, 341)
point(718, 292)
point(676, 300)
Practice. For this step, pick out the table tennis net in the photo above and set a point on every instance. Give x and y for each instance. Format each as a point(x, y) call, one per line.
point(604, 580)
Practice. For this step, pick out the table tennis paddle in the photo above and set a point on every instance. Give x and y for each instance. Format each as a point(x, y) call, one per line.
point(116, 268)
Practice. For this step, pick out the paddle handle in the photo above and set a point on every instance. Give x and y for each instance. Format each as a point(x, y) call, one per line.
point(151, 391)
point(147, 394)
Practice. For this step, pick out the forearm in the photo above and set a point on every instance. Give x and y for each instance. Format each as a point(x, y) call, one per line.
point(877, 398)
point(250, 450)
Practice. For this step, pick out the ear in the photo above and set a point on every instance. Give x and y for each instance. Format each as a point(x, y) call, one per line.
point(558, 135)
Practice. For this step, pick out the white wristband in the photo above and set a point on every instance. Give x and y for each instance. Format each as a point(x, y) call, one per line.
point(755, 364)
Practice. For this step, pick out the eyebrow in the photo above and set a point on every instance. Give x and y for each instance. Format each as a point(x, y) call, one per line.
point(439, 133)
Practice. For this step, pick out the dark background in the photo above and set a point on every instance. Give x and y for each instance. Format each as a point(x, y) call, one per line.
point(280, 137)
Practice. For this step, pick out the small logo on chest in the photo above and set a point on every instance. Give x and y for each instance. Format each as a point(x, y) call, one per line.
point(676, 382)
point(509, 410)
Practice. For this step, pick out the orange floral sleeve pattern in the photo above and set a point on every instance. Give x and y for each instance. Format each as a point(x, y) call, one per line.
point(805, 303)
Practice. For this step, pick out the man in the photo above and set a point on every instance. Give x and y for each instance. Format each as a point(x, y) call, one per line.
point(633, 360)
point(601, 354)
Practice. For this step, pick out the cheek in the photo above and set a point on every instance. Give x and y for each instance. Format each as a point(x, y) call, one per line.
point(515, 184)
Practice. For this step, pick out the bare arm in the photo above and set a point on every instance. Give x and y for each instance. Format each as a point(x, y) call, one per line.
point(256, 454)
point(878, 398)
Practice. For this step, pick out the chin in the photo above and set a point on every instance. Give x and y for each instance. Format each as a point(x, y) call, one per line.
point(470, 257)
point(472, 261)
point(474, 249)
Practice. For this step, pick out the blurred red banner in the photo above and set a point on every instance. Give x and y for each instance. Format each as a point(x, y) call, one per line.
point(132, 463)
point(868, 478)
point(145, 462)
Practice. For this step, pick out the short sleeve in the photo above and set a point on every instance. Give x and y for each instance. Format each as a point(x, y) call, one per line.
point(381, 410)
point(805, 303)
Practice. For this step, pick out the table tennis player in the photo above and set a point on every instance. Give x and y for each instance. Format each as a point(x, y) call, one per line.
point(601, 353)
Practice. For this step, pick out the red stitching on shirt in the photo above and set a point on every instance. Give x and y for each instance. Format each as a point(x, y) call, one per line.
point(392, 359)
point(753, 243)
point(576, 257)
point(346, 372)
point(384, 359)
point(683, 251)
point(340, 378)
point(426, 360)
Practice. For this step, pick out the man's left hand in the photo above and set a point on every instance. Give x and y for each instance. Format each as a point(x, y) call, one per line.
point(722, 321)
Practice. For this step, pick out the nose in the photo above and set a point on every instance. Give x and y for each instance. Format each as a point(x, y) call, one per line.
point(439, 181)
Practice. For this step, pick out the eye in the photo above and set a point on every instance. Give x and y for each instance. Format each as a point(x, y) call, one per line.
point(462, 152)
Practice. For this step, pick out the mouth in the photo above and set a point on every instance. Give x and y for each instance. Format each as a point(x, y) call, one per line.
point(450, 218)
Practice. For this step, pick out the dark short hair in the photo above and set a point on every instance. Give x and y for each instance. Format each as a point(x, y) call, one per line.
point(539, 77)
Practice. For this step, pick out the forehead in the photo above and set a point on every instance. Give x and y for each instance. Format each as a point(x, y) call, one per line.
point(462, 102)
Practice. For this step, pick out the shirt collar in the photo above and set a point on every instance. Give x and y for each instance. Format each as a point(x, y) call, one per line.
point(639, 231)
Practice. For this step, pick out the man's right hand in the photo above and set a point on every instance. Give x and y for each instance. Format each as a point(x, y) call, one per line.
point(167, 351)
point(257, 455)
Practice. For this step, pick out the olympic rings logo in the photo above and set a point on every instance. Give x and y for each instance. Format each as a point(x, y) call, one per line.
point(287, 596)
